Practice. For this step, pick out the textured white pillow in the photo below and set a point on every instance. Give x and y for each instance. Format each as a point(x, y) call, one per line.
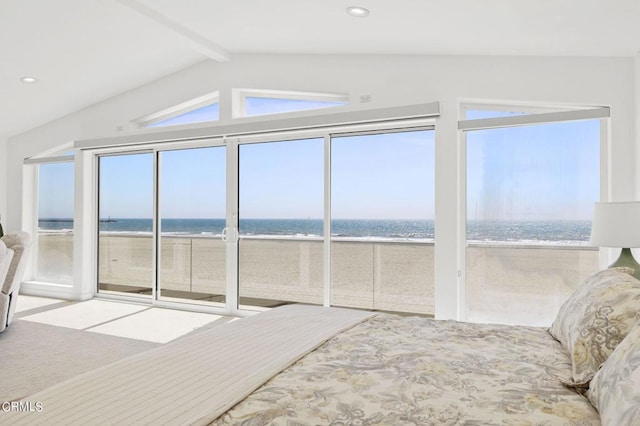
point(595, 319)
point(615, 389)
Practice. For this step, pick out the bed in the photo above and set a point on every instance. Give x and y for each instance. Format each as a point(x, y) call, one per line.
point(308, 365)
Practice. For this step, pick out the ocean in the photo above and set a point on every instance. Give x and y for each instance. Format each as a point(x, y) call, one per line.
point(533, 232)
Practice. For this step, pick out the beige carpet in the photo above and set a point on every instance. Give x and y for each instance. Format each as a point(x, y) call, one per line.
point(194, 379)
point(35, 356)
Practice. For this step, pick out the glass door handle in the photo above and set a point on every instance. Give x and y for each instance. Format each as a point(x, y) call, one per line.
point(230, 235)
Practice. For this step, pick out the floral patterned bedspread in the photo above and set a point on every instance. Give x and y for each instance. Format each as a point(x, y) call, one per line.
point(395, 370)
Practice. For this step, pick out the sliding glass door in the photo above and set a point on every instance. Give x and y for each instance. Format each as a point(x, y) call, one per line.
point(125, 224)
point(281, 225)
point(261, 221)
point(382, 228)
point(191, 218)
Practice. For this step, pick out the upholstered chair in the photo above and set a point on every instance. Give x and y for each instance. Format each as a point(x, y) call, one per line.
point(5, 261)
point(18, 243)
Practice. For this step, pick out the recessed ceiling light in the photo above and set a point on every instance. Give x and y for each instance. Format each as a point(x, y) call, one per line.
point(28, 80)
point(357, 11)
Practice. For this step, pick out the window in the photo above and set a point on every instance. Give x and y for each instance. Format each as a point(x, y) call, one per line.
point(530, 195)
point(191, 195)
point(245, 103)
point(125, 223)
point(262, 102)
point(281, 199)
point(482, 111)
point(201, 109)
point(382, 221)
point(55, 202)
point(241, 221)
point(206, 113)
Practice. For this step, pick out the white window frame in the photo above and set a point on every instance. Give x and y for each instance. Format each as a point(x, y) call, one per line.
point(30, 215)
point(239, 99)
point(179, 109)
point(534, 114)
point(322, 126)
point(526, 108)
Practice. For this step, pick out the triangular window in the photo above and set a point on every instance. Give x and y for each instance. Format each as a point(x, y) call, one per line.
point(202, 109)
point(202, 114)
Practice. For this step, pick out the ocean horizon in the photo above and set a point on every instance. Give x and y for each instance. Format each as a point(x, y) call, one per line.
point(564, 232)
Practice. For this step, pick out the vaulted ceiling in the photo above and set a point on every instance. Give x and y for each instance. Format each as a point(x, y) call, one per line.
point(84, 51)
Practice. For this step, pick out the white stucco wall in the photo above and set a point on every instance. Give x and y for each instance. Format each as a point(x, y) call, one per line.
point(389, 80)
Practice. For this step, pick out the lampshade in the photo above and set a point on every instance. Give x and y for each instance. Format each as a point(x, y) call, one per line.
point(616, 224)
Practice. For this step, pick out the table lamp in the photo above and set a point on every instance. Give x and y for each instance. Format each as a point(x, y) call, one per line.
point(617, 224)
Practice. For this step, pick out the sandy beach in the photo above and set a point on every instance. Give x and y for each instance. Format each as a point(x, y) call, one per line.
point(527, 284)
point(386, 276)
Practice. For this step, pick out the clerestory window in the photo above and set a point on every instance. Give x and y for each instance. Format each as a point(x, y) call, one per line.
point(253, 102)
point(199, 110)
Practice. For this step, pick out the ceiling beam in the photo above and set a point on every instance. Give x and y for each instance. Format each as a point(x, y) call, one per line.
point(195, 40)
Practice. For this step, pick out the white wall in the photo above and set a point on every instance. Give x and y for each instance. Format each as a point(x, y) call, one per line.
point(389, 80)
point(636, 89)
point(3, 182)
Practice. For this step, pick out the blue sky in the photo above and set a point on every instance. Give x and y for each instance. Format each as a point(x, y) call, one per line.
point(55, 190)
point(520, 173)
point(254, 106)
point(199, 115)
point(388, 176)
point(541, 172)
point(282, 179)
point(385, 176)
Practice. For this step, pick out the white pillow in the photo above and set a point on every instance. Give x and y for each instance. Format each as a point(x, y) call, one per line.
point(615, 389)
point(595, 319)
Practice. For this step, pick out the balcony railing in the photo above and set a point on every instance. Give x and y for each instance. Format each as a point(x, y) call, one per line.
point(524, 284)
point(383, 275)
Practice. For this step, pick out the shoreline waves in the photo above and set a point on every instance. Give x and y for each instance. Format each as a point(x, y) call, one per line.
point(547, 233)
